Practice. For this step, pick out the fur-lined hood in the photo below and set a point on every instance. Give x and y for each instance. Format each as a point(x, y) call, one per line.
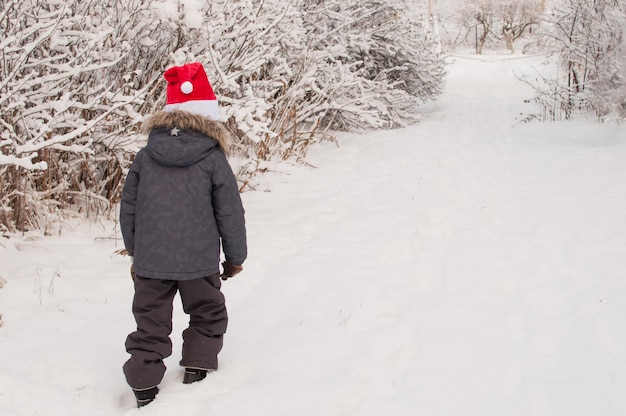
point(183, 120)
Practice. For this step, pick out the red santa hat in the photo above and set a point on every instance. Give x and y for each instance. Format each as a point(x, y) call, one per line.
point(188, 89)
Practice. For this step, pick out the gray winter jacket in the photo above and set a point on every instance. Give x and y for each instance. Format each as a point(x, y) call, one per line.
point(180, 199)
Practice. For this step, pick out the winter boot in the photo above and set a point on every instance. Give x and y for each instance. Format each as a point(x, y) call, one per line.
point(194, 374)
point(146, 396)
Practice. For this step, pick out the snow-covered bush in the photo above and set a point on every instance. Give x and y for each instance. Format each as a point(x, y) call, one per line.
point(289, 72)
point(77, 79)
point(254, 48)
point(374, 61)
point(70, 96)
point(589, 37)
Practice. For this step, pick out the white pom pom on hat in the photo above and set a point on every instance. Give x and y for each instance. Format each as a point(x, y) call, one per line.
point(188, 89)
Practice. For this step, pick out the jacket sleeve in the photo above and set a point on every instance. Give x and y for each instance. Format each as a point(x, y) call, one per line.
point(128, 205)
point(228, 210)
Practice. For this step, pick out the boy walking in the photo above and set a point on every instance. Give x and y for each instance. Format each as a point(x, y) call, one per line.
point(180, 206)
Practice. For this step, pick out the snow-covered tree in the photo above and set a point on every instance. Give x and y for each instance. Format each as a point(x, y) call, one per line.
point(499, 20)
point(517, 18)
point(477, 16)
point(589, 37)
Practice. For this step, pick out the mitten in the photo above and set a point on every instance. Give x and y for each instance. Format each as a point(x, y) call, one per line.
point(230, 270)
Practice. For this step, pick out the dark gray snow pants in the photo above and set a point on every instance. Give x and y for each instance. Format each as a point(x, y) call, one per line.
point(152, 306)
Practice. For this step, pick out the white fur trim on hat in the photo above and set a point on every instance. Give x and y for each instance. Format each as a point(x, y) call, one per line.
point(206, 108)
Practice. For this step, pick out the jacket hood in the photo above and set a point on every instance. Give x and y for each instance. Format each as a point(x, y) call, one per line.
point(180, 138)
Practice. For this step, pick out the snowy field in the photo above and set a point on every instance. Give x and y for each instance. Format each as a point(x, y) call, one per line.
point(466, 265)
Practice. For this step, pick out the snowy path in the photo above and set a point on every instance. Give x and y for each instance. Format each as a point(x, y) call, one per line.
point(467, 265)
point(444, 267)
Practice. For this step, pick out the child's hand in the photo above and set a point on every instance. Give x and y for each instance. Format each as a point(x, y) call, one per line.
point(230, 270)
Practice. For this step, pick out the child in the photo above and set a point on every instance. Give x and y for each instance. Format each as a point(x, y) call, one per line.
point(180, 205)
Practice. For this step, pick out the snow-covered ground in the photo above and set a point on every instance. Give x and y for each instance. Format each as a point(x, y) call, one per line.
point(466, 265)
